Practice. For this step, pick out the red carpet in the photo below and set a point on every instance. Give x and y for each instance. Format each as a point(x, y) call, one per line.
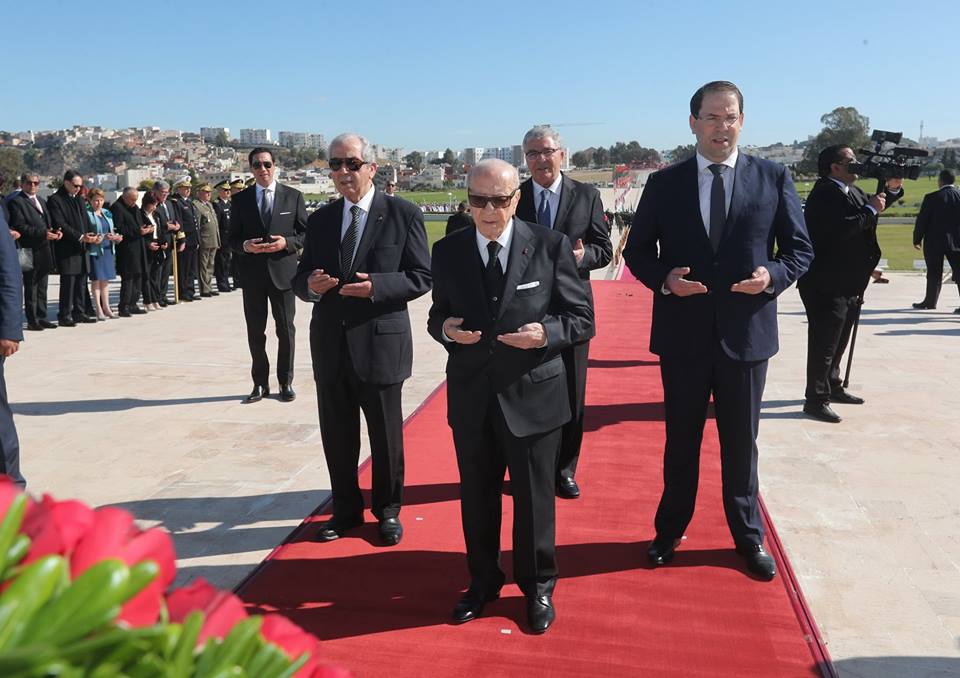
point(383, 611)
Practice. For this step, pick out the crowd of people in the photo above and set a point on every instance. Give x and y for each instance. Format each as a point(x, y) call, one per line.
point(75, 235)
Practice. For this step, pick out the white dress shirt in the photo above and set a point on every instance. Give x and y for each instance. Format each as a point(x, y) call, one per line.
point(364, 205)
point(705, 183)
point(504, 240)
point(272, 188)
point(553, 198)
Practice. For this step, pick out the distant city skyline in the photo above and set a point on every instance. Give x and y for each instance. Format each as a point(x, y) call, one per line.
point(413, 76)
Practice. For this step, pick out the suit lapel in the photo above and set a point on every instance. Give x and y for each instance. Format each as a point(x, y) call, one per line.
point(742, 185)
point(695, 217)
point(378, 210)
point(568, 192)
point(521, 249)
point(474, 281)
point(525, 209)
point(330, 236)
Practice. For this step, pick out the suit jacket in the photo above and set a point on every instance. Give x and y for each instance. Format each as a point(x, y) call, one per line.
point(579, 217)
point(459, 220)
point(938, 223)
point(289, 219)
point(132, 250)
point(11, 287)
point(33, 227)
point(844, 235)
point(764, 212)
point(69, 215)
point(222, 210)
point(189, 220)
point(393, 250)
point(542, 286)
point(164, 214)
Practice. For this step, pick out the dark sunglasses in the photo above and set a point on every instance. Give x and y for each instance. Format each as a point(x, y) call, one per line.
point(352, 164)
point(498, 201)
point(77, 185)
point(266, 164)
point(32, 183)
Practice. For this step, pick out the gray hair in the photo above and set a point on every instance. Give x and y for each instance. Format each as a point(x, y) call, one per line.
point(161, 185)
point(27, 176)
point(542, 132)
point(366, 150)
point(497, 168)
point(129, 189)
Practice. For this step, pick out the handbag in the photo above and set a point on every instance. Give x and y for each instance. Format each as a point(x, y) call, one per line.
point(26, 259)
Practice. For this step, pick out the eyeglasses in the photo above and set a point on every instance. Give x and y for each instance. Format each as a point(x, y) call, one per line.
point(498, 201)
point(546, 153)
point(266, 164)
point(352, 164)
point(77, 185)
point(31, 183)
point(716, 120)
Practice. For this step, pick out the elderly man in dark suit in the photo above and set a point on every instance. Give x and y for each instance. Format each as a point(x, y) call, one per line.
point(507, 301)
point(554, 200)
point(30, 218)
point(842, 222)
point(11, 334)
point(267, 224)
point(364, 259)
point(717, 238)
point(937, 229)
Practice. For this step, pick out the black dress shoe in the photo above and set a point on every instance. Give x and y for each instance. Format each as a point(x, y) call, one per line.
point(471, 605)
point(540, 613)
point(34, 327)
point(759, 562)
point(391, 531)
point(923, 306)
point(136, 310)
point(206, 294)
point(821, 412)
point(287, 394)
point(214, 293)
point(336, 528)
point(662, 550)
point(258, 393)
point(68, 322)
point(86, 319)
point(567, 488)
point(956, 310)
point(842, 396)
point(168, 302)
point(124, 314)
point(46, 324)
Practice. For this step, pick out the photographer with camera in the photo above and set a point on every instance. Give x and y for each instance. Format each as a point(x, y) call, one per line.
point(842, 221)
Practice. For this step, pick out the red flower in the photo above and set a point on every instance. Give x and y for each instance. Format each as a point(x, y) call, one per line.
point(55, 527)
point(112, 534)
point(221, 609)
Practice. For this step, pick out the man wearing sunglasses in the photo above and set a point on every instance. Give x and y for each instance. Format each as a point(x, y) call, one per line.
point(267, 223)
point(364, 259)
point(69, 215)
point(556, 201)
point(507, 301)
point(30, 217)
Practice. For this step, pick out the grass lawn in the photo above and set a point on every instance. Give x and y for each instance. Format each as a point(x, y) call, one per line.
point(896, 243)
point(434, 197)
point(908, 206)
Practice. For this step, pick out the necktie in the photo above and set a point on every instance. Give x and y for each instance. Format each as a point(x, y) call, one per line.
point(493, 275)
point(349, 244)
point(265, 208)
point(36, 203)
point(718, 207)
point(543, 214)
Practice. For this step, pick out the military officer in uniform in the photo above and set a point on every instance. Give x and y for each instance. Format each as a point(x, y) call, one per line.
point(208, 228)
point(190, 244)
point(221, 263)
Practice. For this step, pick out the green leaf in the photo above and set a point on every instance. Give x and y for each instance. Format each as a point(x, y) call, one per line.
point(16, 553)
point(11, 526)
point(25, 595)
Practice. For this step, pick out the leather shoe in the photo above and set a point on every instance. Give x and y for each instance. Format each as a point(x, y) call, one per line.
point(923, 306)
point(335, 528)
point(841, 395)
point(956, 310)
point(540, 613)
point(258, 393)
point(205, 294)
point(567, 488)
point(759, 562)
point(124, 314)
point(46, 324)
point(34, 327)
point(821, 412)
point(391, 531)
point(86, 319)
point(471, 605)
point(662, 549)
point(287, 394)
point(136, 310)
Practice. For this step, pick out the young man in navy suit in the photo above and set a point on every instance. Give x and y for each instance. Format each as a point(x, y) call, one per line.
point(703, 239)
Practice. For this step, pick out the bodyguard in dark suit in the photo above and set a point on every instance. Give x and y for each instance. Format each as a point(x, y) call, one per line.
point(842, 222)
point(11, 334)
point(717, 238)
point(507, 301)
point(364, 259)
point(459, 219)
point(938, 230)
point(221, 267)
point(30, 217)
point(554, 200)
point(68, 215)
point(267, 224)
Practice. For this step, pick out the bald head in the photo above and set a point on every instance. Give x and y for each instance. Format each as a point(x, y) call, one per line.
point(494, 183)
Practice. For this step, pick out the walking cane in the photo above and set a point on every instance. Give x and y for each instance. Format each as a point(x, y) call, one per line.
point(176, 268)
point(853, 340)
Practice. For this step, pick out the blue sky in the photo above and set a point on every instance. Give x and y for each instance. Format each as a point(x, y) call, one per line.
point(432, 75)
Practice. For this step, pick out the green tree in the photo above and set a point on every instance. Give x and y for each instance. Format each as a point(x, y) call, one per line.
point(582, 158)
point(601, 157)
point(11, 164)
point(683, 152)
point(222, 139)
point(843, 125)
point(322, 154)
point(415, 160)
point(449, 157)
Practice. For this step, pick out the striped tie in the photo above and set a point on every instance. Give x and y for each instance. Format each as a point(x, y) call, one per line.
point(349, 244)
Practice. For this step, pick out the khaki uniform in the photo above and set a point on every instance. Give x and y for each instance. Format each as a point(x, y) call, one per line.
point(209, 231)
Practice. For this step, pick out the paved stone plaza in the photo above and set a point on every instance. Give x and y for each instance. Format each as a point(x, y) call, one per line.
point(146, 413)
